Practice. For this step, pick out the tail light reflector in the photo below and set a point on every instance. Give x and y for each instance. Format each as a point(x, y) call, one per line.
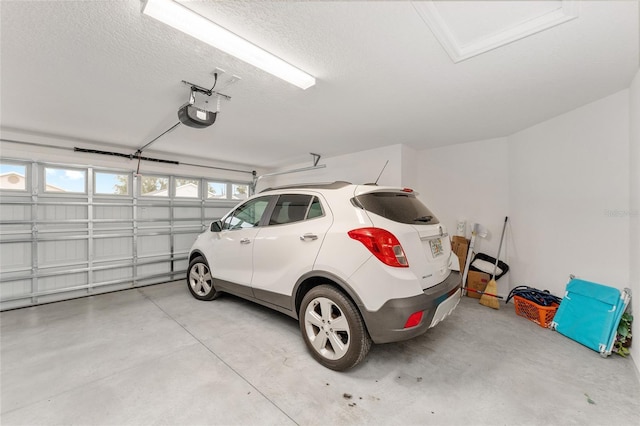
point(382, 244)
point(413, 320)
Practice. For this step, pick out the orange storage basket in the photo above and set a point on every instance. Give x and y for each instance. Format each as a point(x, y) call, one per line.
point(541, 315)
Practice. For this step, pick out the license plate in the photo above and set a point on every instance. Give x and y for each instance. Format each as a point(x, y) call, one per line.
point(436, 247)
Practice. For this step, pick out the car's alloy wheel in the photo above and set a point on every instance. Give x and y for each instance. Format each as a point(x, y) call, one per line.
point(200, 281)
point(333, 328)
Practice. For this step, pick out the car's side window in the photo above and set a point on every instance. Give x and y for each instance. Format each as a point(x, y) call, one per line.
point(247, 215)
point(316, 209)
point(290, 208)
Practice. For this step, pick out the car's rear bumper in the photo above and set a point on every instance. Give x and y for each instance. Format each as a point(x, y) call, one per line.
point(387, 323)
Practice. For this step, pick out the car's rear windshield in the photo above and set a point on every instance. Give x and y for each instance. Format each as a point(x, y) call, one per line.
point(396, 206)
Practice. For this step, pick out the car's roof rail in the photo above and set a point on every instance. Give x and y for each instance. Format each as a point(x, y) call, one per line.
point(330, 185)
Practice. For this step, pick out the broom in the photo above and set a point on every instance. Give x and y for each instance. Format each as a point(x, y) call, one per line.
point(484, 292)
point(474, 232)
point(488, 298)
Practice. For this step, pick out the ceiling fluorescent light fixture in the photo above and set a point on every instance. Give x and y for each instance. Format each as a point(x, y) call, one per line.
point(189, 22)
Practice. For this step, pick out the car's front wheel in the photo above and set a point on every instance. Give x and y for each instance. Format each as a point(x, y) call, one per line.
point(199, 280)
point(333, 329)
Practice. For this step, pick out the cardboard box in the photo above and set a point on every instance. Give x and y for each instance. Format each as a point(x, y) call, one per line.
point(477, 281)
point(460, 246)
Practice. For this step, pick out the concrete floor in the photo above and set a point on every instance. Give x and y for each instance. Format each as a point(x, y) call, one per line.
point(158, 356)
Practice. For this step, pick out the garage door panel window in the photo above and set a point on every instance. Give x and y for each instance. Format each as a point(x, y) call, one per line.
point(216, 190)
point(154, 186)
point(227, 191)
point(187, 188)
point(65, 180)
point(240, 192)
point(112, 183)
point(13, 177)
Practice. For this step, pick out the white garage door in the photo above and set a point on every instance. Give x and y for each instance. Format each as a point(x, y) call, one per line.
point(71, 231)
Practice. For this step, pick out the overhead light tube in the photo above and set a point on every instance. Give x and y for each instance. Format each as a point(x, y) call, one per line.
point(189, 22)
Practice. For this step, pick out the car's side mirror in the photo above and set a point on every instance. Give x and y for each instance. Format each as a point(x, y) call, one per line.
point(216, 226)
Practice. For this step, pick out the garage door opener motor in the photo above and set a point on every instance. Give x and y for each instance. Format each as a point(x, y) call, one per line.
point(191, 115)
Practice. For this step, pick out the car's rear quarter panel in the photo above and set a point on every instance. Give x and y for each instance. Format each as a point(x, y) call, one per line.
point(340, 255)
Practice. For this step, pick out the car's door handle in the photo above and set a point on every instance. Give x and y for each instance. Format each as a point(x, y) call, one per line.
point(308, 237)
point(245, 241)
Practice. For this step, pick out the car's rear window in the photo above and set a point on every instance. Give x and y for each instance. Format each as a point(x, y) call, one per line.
point(396, 206)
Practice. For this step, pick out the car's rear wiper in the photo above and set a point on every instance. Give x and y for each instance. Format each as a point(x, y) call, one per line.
point(423, 219)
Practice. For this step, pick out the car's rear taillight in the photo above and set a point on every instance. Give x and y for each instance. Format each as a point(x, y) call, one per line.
point(383, 244)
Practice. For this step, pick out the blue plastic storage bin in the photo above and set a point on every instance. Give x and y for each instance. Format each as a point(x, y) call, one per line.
point(590, 313)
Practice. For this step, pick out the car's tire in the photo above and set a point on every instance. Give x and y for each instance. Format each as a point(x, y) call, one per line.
point(200, 281)
point(333, 329)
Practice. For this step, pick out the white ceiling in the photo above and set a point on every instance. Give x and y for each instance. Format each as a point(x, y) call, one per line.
point(100, 71)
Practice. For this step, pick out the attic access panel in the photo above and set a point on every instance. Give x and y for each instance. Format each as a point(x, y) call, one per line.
point(463, 33)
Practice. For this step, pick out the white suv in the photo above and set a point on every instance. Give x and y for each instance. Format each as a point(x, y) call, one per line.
point(352, 263)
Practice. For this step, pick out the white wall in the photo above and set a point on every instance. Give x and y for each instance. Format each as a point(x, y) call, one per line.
point(564, 184)
point(360, 167)
point(470, 182)
point(568, 189)
point(634, 217)
point(411, 166)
